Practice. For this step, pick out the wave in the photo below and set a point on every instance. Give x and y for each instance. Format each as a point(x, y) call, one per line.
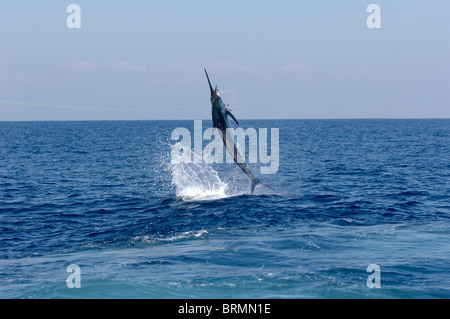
point(153, 240)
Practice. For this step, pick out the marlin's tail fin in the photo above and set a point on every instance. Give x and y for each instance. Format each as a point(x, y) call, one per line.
point(257, 181)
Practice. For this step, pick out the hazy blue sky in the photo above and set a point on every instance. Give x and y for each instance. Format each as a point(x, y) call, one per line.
point(270, 59)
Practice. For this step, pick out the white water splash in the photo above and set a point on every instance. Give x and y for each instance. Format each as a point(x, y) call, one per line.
point(152, 240)
point(197, 181)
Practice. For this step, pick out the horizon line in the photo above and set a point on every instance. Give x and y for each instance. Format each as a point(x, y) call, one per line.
point(257, 119)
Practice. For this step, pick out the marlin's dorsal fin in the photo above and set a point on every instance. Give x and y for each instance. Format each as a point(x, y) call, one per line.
point(228, 111)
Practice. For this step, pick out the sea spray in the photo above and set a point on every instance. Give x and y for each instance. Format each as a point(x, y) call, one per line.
point(196, 181)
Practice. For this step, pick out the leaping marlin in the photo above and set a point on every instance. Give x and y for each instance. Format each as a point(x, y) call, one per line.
point(220, 113)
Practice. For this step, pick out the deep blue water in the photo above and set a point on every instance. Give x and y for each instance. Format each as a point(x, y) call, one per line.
point(105, 196)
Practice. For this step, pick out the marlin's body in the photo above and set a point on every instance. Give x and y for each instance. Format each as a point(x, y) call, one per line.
point(220, 114)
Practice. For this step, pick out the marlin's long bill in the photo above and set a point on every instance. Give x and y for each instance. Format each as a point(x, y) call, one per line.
point(220, 115)
point(210, 86)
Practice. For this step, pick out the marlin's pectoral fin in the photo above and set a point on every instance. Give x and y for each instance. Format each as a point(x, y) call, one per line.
point(232, 116)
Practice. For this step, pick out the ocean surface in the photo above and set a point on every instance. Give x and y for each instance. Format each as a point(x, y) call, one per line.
point(106, 196)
